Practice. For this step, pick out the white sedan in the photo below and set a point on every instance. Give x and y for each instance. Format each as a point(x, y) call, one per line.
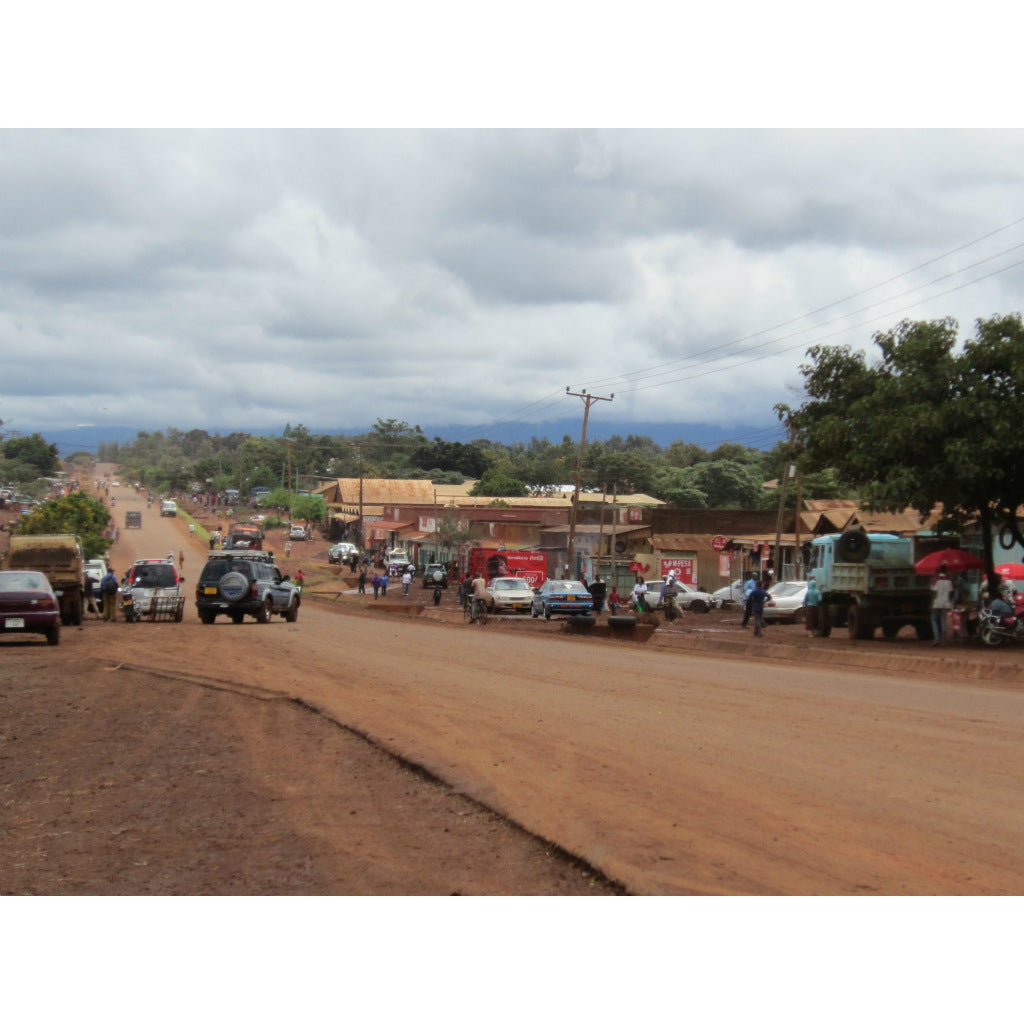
point(510, 594)
point(785, 602)
point(689, 597)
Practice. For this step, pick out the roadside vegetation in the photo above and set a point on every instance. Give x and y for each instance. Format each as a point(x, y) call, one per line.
point(682, 474)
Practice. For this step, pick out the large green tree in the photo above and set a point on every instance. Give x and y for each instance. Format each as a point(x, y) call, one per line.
point(27, 458)
point(929, 423)
point(76, 513)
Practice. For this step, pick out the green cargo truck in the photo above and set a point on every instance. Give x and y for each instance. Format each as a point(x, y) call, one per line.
point(867, 582)
point(58, 556)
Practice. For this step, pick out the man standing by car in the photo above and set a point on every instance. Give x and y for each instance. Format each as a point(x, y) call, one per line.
point(108, 591)
point(598, 590)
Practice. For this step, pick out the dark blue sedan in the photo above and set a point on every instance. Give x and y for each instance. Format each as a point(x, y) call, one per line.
point(561, 597)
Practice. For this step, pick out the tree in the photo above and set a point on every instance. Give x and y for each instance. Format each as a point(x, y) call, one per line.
point(27, 458)
point(494, 484)
point(310, 508)
point(926, 425)
point(76, 513)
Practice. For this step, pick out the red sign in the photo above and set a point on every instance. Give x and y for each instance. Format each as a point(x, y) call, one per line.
point(718, 543)
point(532, 566)
point(683, 568)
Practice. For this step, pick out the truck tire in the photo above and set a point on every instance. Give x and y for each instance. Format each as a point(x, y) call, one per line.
point(76, 610)
point(923, 630)
point(853, 546)
point(890, 629)
point(824, 627)
point(859, 623)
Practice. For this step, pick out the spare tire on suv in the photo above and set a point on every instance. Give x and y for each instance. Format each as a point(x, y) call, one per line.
point(435, 576)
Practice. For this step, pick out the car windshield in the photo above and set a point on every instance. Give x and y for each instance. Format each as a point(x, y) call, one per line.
point(787, 589)
point(13, 581)
point(215, 569)
point(154, 576)
point(511, 584)
point(570, 587)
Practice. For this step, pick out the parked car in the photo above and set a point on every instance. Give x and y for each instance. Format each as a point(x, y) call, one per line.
point(510, 594)
point(689, 597)
point(561, 597)
point(785, 602)
point(149, 579)
point(435, 575)
point(28, 605)
point(732, 594)
point(341, 552)
point(240, 583)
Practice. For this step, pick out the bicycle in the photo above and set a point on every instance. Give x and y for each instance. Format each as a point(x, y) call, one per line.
point(481, 614)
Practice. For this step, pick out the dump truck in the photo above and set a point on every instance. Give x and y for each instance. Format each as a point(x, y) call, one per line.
point(867, 582)
point(58, 556)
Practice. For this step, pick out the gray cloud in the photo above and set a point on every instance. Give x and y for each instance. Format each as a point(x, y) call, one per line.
point(330, 277)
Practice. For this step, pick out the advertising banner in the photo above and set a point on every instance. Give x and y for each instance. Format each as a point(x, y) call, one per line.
point(532, 566)
point(684, 568)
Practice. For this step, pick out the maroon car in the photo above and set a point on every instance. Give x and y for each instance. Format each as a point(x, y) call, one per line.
point(28, 605)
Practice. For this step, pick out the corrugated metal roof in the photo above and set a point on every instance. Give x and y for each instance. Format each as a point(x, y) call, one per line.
point(681, 541)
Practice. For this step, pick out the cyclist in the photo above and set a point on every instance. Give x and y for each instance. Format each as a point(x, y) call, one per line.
point(669, 593)
point(477, 596)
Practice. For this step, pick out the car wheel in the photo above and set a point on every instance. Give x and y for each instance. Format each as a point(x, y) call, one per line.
point(180, 613)
point(237, 618)
point(265, 609)
point(292, 613)
point(698, 606)
point(233, 586)
point(53, 636)
point(206, 618)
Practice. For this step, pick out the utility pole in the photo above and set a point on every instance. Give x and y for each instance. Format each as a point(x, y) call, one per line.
point(588, 401)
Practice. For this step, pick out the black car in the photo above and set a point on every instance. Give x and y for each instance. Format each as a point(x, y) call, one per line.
point(435, 576)
point(239, 583)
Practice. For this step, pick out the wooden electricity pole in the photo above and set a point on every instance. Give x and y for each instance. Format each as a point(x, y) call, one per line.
point(588, 401)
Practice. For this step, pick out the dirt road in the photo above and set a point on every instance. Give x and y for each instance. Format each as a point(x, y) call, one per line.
point(700, 762)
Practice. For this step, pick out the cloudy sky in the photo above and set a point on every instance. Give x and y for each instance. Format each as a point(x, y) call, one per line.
point(171, 255)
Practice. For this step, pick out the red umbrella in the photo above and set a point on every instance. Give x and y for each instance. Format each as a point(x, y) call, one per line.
point(1011, 571)
point(954, 559)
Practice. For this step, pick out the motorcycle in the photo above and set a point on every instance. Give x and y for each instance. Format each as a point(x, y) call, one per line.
point(995, 629)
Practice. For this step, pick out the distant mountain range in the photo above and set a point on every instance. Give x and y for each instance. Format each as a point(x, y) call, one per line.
point(707, 436)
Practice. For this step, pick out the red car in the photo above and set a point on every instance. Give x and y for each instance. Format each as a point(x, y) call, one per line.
point(28, 605)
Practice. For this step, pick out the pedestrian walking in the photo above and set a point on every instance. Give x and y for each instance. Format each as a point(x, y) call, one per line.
point(748, 589)
point(406, 580)
point(376, 585)
point(758, 596)
point(362, 582)
point(89, 593)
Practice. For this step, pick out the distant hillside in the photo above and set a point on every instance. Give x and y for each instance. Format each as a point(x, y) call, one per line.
point(705, 435)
